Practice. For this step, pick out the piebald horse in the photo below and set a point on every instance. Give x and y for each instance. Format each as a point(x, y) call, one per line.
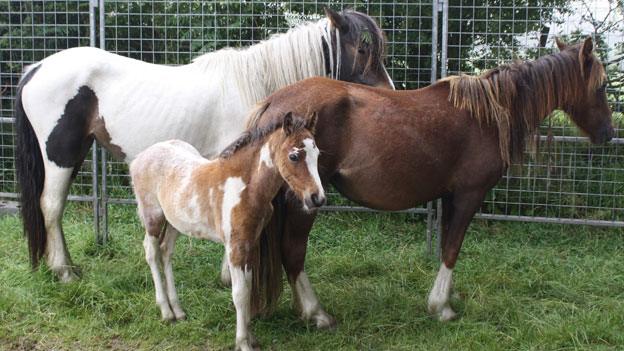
point(393, 150)
point(227, 200)
point(77, 95)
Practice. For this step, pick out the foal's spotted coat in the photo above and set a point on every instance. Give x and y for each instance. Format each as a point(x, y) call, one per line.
point(226, 200)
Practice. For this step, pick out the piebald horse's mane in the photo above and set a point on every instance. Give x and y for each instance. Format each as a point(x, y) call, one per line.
point(255, 135)
point(517, 96)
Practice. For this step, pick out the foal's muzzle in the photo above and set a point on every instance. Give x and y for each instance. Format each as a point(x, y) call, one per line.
point(315, 200)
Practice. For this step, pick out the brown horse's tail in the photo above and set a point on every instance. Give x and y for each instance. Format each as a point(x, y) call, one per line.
point(267, 280)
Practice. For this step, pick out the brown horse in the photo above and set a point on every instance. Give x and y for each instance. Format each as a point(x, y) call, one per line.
point(393, 150)
point(227, 200)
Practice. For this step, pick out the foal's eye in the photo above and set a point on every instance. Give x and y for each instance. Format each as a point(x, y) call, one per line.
point(293, 157)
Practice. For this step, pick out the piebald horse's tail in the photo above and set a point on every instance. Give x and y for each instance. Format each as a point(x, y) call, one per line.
point(30, 175)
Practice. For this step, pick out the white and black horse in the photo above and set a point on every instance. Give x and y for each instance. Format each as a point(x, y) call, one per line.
point(69, 99)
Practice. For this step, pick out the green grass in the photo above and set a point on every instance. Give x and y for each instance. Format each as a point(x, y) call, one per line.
point(518, 287)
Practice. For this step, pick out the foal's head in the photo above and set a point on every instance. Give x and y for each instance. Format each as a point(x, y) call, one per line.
point(589, 109)
point(296, 156)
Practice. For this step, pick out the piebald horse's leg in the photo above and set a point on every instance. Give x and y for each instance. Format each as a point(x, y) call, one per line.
point(457, 212)
point(297, 227)
point(167, 248)
point(52, 202)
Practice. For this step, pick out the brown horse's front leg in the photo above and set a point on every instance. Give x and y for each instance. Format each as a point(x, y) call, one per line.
point(297, 226)
point(457, 212)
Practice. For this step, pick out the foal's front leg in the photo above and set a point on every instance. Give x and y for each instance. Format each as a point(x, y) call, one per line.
point(241, 273)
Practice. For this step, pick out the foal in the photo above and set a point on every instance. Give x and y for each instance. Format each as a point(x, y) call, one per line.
point(227, 200)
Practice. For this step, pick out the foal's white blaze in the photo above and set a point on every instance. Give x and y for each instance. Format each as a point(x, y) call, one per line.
point(441, 293)
point(265, 157)
point(312, 153)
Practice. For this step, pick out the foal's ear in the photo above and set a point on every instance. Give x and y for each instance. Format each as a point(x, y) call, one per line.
point(338, 20)
point(288, 125)
point(311, 126)
point(560, 44)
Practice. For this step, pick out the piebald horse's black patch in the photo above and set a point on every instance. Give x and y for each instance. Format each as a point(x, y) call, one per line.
point(71, 138)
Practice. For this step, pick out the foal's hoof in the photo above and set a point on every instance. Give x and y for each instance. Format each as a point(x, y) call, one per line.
point(66, 274)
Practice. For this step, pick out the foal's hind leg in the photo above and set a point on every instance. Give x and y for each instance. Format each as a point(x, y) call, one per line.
point(458, 210)
point(166, 248)
point(52, 202)
point(153, 256)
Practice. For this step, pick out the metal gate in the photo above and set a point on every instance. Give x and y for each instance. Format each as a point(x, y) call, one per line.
point(566, 181)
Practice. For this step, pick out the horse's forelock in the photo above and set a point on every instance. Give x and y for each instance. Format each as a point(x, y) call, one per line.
point(366, 27)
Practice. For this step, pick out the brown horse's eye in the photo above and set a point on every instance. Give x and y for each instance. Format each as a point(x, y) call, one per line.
point(602, 88)
point(361, 51)
point(293, 157)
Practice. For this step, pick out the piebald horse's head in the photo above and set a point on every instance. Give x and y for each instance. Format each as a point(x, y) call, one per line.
point(296, 156)
point(356, 51)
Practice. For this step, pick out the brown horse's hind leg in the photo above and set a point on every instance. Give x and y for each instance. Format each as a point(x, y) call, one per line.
point(294, 242)
point(458, 210)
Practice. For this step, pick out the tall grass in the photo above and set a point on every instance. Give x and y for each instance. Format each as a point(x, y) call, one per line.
point(518, 287)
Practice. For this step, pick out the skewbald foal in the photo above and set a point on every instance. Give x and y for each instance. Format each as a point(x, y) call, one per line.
point(226, 200)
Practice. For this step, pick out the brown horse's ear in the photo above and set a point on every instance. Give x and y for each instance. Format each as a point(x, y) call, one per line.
point(560, 44)
point(337, 20)
point(311, 126)
point(587, 48)
point(288, 125)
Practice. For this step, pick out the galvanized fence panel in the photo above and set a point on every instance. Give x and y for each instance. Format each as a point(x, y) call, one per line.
point(567, 181)
point(31, 31)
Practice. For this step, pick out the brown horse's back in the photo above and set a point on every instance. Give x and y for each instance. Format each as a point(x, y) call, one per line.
point(382, 138)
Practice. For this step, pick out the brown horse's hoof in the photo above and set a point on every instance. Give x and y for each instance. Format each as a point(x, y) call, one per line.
point(66, 274)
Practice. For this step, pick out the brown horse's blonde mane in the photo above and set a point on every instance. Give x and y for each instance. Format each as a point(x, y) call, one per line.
point(517, 97)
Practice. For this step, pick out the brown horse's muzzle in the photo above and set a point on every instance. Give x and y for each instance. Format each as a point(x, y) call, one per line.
point(604, 135)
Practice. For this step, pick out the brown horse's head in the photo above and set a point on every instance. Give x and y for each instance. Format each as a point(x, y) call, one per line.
point(296, 156)
point(361, 49)
point(589, 108)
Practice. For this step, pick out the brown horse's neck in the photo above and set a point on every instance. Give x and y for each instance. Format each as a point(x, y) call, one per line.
point(516, 98)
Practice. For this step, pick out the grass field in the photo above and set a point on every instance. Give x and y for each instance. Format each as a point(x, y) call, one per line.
point(518, 287)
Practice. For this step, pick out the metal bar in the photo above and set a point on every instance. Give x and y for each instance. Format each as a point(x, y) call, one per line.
point(434, 41)
point(104, 185)
point(444, 52)
point(94, 163)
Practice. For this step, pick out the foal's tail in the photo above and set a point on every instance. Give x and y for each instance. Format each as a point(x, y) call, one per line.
point(30, 174)
point(267, 286)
